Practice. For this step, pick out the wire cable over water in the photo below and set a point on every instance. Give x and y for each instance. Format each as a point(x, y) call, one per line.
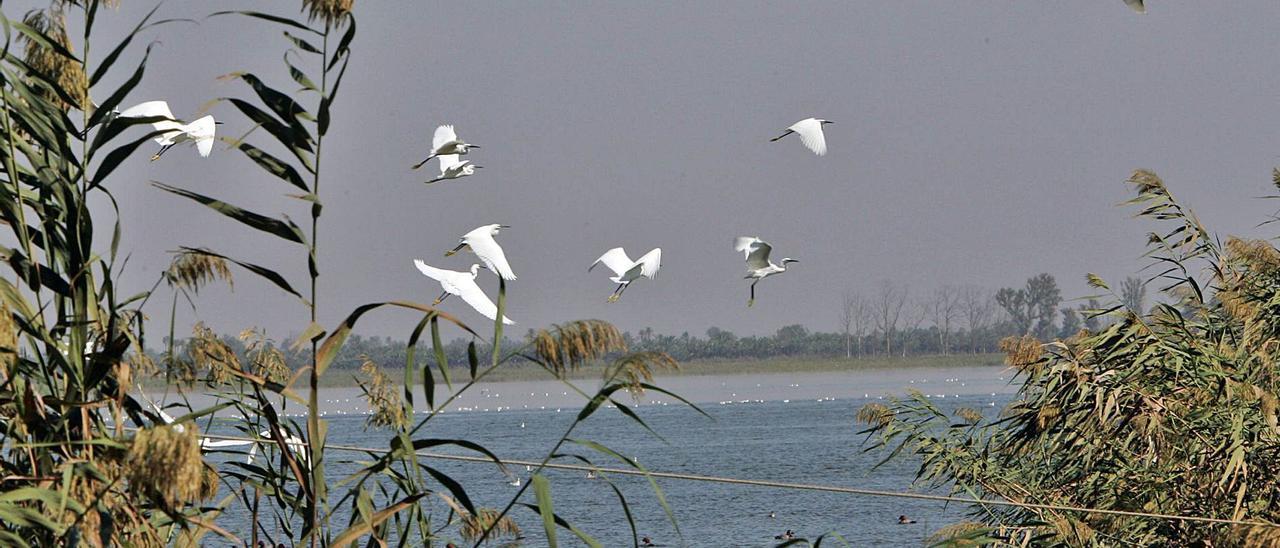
point(783, 484)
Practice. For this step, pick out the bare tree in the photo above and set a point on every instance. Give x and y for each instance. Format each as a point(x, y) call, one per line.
point(978, 306)
point(944, 311)
point(915, 317)
point(1133, 292)
point(848, 316)
point(862, 319)
point(888, 310)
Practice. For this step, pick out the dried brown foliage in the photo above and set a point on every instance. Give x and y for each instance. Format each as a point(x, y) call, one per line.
point(164, 463)
point(383, 396)
point(332, 12)
point(191, 270)
point(568, 346)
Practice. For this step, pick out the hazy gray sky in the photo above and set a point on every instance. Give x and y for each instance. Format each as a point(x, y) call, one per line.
point(975, 143)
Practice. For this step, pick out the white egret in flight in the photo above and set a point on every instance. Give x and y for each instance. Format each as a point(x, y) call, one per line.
point(758, 265)
point(462, 284)
point(1136, 5)
point(487, 249)
point(452, 168)
point(200, 132)
point(627, 270)
point(810, 131)
point(446, 143)
point(291, 441)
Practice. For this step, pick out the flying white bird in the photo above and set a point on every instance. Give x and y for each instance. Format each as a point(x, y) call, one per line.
point(758, 265)
point(1136, 5)
point(200, 132)
point(487, 249)
point(293, 442)
point(446, 143)
point(462, 284)
point(452, 168)
point(627, 270)
point(810, 131)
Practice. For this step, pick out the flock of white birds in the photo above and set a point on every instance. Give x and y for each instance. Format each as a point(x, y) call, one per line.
point(447, 147)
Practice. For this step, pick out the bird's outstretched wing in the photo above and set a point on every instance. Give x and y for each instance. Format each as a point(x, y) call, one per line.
point(650, 263)
point(447, 162)
point(443, 135)
point(474, 296)
point(490, 253)
point(151, 109)
point(430, 271)
point(810, 131)
point(147, 109)
point(755, 250)
point(206, 443)
point(167, 418)
point(202, 132)
point(617, 261)
point(1136, 5)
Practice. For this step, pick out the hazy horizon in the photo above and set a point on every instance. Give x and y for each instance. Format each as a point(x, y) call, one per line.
point(976, 143)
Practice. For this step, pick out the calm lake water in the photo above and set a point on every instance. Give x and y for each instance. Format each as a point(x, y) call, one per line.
point(794, 428)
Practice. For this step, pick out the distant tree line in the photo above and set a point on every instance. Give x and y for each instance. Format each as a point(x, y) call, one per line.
point(892, 321)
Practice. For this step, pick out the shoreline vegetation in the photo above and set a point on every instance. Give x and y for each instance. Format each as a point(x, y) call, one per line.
point(711, 367)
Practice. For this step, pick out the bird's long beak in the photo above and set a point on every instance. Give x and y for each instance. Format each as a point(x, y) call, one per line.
point(217, 123)
point(477, 167)
point(455, 250)
point(827, 122)
point(472, 146)
point(504, 226)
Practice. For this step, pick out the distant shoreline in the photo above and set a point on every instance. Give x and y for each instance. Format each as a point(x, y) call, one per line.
point(344, 378)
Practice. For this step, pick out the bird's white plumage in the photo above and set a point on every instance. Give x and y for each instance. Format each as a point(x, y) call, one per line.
point(628, 271)
point(149, 108)
point(487, 249)
point(810, 132)
point(171, 127)
point(463, 284)
point(202, 132)
point(444, 134)
point(616, 260)
point(755, 250)
point(650, 263)
point(448, 162)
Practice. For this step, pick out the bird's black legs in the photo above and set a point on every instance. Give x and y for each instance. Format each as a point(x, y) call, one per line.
point(420, 164)
point(617, 293)
point(789, 132)
point(444, 295)
point(163, 149)
point(455, 250)
point(752, 301)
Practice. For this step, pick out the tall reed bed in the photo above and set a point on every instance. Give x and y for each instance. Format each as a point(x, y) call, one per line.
point(1172, 412)
point(86, 460)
